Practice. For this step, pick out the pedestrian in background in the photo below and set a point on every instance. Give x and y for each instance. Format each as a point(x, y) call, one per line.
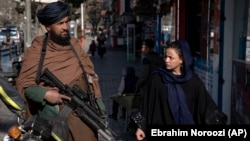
point(92, 47)
point(64, 57)
point(150, 61)
point(127, 86)
point(101, 38)
point(8, 41)
point(175, 95)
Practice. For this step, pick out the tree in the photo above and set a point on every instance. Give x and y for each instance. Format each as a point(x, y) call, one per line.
point(93, 10)
point(20, 8)
point(74, 14)
point(75, 3)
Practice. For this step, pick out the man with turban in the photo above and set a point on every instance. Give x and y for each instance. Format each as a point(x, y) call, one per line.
point(64, 57)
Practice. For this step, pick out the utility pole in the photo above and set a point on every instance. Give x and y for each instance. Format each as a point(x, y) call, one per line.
point(27, 40)
point(82, 25)
point(82, 18)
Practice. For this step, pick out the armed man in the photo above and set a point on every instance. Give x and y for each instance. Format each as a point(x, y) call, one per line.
point(63, 56)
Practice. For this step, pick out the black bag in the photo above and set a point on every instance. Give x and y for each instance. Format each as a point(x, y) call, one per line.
point(217, 118)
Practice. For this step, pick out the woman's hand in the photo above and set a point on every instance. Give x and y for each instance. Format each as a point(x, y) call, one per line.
point(140, 135)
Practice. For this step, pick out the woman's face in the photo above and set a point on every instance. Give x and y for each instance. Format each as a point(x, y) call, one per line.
point(173, 61)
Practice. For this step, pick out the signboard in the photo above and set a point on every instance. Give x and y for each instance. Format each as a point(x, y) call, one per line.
point(149, 29)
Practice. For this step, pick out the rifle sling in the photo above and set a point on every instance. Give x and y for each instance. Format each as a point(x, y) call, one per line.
point(39, 69)
point(84, 72)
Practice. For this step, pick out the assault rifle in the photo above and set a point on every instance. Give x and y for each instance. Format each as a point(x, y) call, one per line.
point(81, 103)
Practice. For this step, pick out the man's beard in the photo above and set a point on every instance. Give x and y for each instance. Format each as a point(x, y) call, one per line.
point(59, 39)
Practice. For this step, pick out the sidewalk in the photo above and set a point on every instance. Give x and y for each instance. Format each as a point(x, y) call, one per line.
point(109, 68)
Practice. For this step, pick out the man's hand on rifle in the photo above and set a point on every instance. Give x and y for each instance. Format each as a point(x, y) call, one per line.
point(54, 97)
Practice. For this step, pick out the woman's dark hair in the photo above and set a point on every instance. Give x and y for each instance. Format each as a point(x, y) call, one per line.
point(177, 47)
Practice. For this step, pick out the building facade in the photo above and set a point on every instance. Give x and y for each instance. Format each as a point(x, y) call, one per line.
point(217, 32)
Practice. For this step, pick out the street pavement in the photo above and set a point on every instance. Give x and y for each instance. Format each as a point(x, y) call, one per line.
point(109, 69)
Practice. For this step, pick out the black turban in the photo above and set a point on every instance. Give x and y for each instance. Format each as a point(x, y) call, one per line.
point(53, 12)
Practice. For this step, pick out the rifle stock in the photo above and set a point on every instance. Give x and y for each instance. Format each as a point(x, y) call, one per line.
point(80, 103)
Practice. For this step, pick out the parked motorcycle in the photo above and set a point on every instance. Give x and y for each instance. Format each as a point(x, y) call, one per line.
point(33, 128)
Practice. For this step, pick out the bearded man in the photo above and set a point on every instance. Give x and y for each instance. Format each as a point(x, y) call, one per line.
point(64, 57)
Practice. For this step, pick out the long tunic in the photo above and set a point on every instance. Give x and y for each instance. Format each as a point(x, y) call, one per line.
point(62, 62)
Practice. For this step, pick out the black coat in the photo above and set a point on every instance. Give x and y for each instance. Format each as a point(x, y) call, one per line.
point(155, 107)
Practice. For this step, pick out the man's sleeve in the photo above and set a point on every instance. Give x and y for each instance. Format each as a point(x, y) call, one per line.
point(35, 93)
